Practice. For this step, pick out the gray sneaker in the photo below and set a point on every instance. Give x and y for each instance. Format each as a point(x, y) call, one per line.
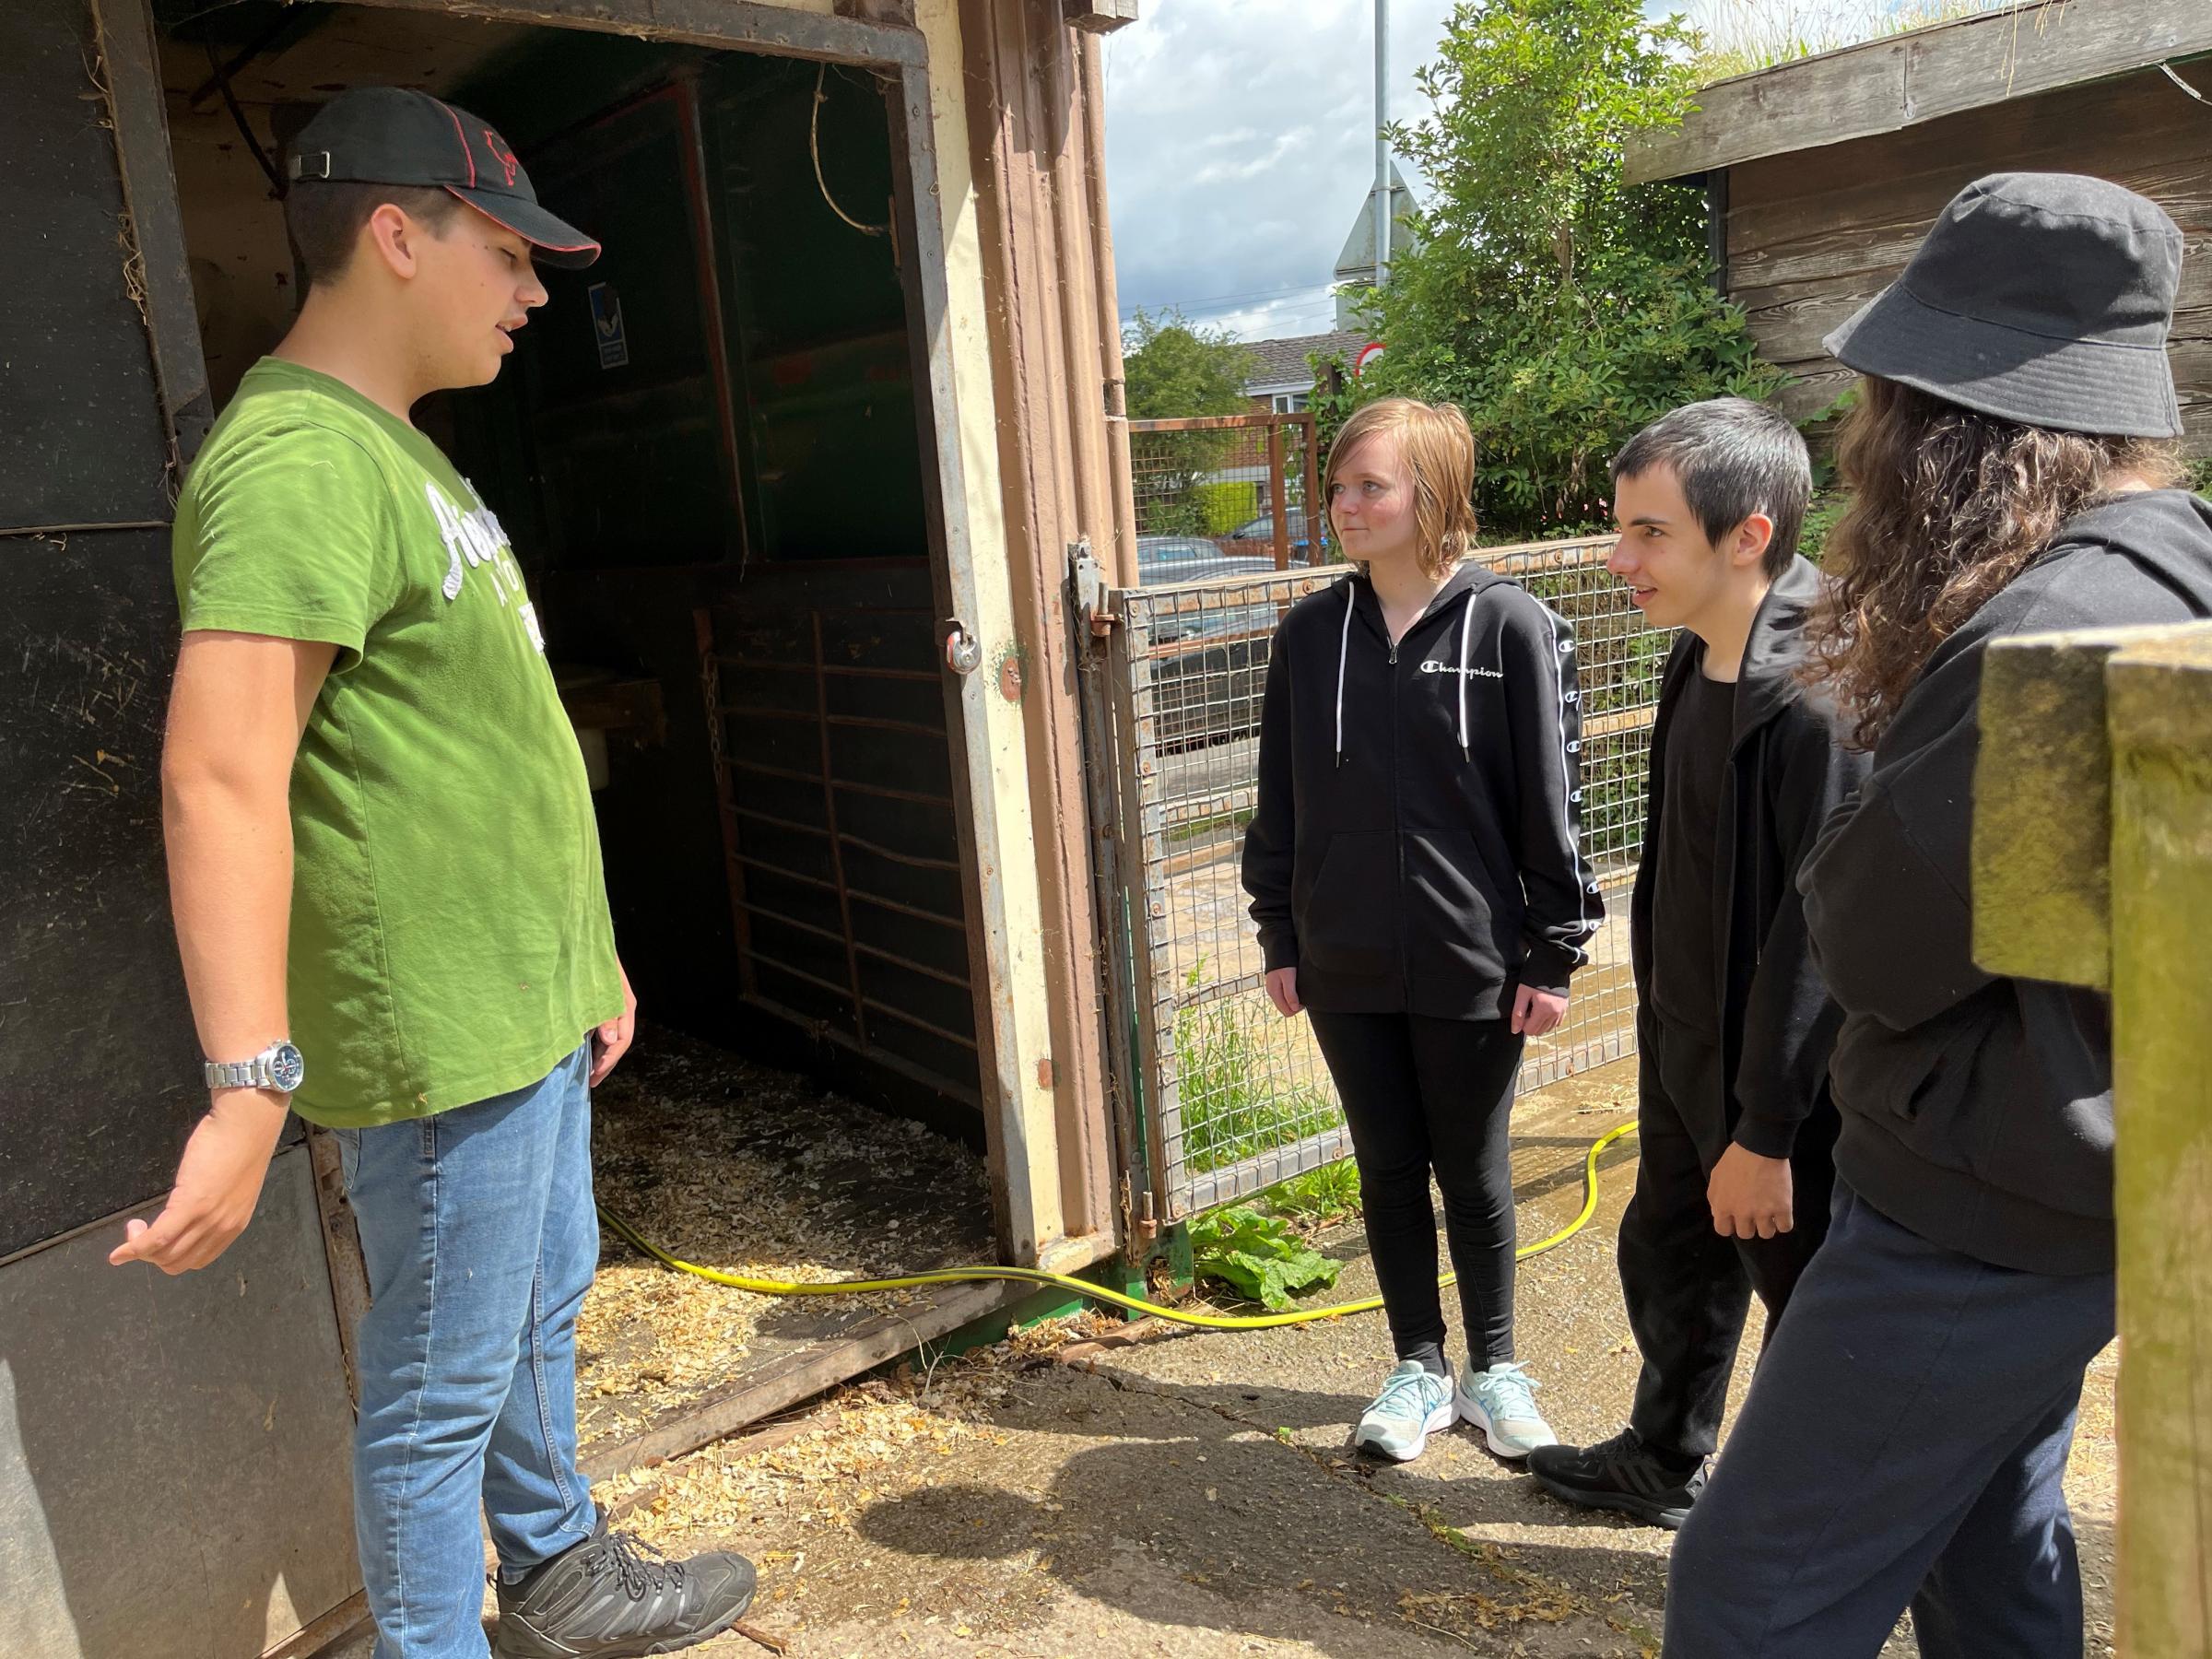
point(613, 1597)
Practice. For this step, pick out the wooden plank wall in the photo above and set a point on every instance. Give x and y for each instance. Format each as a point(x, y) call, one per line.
point(1814, 234)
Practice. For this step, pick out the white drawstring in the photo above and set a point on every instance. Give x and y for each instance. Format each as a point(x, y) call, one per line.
point(1344, 647)
point(1467, 623)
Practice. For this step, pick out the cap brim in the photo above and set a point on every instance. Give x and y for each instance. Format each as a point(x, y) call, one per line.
point(2067, 385)
point(557, 241)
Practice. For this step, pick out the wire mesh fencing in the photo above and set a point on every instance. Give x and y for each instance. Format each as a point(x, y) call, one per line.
point(1233, 1097)
point(1216, 495)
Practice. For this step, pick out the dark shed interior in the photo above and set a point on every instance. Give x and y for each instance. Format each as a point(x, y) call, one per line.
point(707, 450)
point(713, 459)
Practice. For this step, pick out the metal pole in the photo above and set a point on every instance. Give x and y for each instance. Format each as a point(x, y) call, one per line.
point(1381, 141)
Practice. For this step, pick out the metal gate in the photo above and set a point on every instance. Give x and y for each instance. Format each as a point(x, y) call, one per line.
point(1227, 1096)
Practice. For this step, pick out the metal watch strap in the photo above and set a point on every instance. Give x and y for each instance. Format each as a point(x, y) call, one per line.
point(236, 1074)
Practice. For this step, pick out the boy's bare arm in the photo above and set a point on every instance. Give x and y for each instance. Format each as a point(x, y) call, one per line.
point(236, 713)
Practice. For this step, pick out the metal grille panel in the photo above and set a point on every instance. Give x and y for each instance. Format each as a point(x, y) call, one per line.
point(1234, 1097)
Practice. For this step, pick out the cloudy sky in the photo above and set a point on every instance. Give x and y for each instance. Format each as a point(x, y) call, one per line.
point(1240, 140)
point(1240, 149)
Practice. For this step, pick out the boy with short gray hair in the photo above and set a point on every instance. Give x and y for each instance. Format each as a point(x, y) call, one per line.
point(1734, 1027)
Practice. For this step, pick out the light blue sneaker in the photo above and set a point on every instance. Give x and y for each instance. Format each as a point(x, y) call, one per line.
point(1502, 1403)
point(1415, 1403)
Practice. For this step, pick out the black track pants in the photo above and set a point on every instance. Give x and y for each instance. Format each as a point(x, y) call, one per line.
point(1422, 1095)
point(1687, 1288)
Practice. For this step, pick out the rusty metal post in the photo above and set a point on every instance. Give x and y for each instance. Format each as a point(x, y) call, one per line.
point(2093, 866)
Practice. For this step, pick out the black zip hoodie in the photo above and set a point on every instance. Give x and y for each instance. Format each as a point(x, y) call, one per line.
point(1416, 844)
point(1786, 771)
point(1978, 1111)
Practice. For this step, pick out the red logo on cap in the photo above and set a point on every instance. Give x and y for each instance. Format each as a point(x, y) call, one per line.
point(501, 154)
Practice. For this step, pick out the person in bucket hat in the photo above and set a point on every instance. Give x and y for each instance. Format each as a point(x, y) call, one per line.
point(1907, 1430)
point(389, 900)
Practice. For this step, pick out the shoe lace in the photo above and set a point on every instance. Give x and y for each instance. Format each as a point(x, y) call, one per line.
point(1405, 1394)
point(1507, 1392)
point(642, 1568)
point(1624, 1447)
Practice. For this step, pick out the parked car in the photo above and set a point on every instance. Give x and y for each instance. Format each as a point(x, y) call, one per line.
point(1208, 684)
point(1163, 558)
point(1262, 529)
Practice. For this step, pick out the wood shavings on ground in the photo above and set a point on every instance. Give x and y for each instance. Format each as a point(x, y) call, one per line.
point(822, 1473)
point(753, 1171)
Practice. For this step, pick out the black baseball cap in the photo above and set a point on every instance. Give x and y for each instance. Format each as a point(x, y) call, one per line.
point(394, 135)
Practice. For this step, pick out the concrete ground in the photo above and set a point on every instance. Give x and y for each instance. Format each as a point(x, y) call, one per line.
point(1191, 1494)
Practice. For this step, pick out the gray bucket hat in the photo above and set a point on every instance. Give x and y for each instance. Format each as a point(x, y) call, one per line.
point(2042, 298)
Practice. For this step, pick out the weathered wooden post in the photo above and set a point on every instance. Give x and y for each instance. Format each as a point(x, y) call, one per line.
point(2093, 866)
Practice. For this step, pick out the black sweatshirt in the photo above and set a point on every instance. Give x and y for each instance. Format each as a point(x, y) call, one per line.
point(1415, 848)
point(1978, 1111)
point(1786, 771)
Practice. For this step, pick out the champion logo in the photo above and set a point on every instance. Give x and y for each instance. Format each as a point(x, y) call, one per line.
point(1433, 667)
point(509, 163)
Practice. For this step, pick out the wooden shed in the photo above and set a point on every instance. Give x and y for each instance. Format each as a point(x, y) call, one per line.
point(1824, 172)
point(856, 384)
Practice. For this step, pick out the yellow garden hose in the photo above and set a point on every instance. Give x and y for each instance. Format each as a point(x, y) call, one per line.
point(1135, 1304)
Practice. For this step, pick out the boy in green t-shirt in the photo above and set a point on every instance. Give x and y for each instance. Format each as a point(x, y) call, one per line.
point(386, 879)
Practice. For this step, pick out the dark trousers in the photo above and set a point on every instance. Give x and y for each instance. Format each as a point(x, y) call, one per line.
point(1904, 1442)
point(1686, 1287)
point(1418, 1095)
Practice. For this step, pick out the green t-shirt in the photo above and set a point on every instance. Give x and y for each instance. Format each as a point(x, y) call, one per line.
point(450, 936)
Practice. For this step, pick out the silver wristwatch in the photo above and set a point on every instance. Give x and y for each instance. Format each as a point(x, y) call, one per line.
point(278, 1067)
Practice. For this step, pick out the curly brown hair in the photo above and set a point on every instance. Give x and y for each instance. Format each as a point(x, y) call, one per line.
point(1948, 506)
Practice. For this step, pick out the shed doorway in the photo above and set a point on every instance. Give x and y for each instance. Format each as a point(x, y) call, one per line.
point(713, 454)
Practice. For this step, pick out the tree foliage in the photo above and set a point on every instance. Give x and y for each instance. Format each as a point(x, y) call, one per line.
point(1175, 369)
point(1560, 306)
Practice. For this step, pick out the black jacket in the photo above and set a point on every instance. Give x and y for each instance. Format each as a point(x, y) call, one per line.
point(1786, 771)
point(1414, 847)
point(1978, 1111)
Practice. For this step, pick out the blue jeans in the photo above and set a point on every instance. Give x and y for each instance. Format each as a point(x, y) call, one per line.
point(480, 1239)
point(1904, 1443)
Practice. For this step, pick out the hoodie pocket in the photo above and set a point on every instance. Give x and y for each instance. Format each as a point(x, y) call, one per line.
point(1935, 1094)
point(1347, 918)
point(1462, 928)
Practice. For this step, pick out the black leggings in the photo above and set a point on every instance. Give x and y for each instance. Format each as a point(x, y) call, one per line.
point(1422, 1094)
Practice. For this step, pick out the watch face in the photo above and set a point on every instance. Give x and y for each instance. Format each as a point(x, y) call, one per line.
point(287, 1069)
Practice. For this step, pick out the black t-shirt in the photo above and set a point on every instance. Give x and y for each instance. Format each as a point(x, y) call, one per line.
point(1685, 987)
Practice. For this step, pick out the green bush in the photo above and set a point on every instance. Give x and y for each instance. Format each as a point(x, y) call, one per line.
point(1819, 518)
point(1222, 507)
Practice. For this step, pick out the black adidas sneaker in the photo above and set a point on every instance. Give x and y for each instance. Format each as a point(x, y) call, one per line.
point(1618, 1474)
point(613, 1597)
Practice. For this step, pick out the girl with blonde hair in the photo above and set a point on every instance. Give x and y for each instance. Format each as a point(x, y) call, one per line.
point(1422, 895)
